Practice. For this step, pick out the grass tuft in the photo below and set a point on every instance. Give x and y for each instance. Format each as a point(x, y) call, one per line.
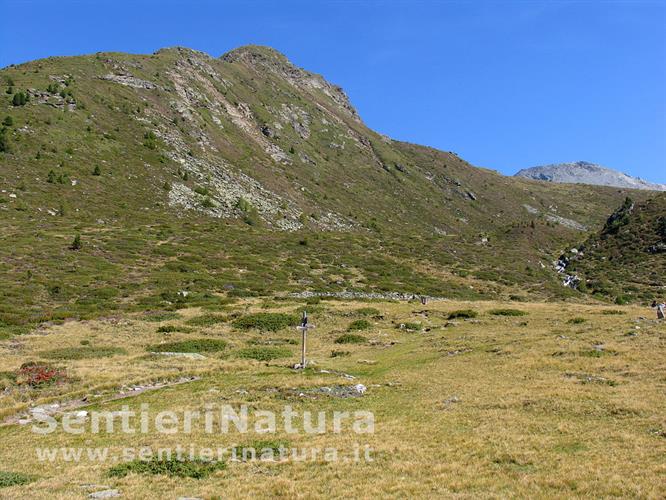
point(463, 313)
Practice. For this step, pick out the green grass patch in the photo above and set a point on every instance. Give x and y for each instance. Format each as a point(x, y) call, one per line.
point(83, 352)
point(194, 345)
point(359, 324)
point(576, 321)
point(507, 312)
point(413, 327)
point(8, 479)
point(350, 338)
point(463, 314)
point(264, 353)
point(195, 469)
point(271, 322)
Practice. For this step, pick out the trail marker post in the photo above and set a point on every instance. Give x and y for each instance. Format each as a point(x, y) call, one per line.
point(304, 327)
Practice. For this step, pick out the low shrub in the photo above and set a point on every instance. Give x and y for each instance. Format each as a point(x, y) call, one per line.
point(340, 354)
point(37, 374)
point(264, 353)
point(463, 313)
point(508, 312)
point(83, 352)
point(576, 321)
point(414, 327)
point(350, 338)
point(266, 321)
point(194, 346)
point(8, 479)
point(359, 324)
point(195, 469)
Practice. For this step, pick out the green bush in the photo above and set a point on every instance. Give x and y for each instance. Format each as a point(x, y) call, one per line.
point(359, 324)
point(20, 98)
point(76, 243)
point(193, 346)
point(195, 469)
point(508, 312)
point(8, 121)
point(264, 353)
point(576, 321)
point(271, 322)
point(8, 479)
point(84, 352)
point(415, 327)
point(150, 140)
point(463, 313)
point(350, 338)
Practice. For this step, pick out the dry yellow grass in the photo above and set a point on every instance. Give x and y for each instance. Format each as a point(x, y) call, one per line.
point(495, 406)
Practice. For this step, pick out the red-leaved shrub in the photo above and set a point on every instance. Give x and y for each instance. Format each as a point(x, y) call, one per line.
point(37, 374)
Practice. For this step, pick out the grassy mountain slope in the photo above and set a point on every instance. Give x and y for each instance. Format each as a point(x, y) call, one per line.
point(183, 172)
point(626, 260)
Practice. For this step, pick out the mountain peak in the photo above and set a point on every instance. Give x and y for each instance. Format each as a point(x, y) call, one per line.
point(256, 54)
point(583, 172)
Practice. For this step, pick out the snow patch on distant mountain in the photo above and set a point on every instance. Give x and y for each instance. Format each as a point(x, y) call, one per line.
point(582, 172)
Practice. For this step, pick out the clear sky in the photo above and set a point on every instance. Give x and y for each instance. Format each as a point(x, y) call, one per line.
point(505, 84)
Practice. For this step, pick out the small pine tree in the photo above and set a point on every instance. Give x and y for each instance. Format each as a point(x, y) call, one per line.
point(51, 178)
point(76, 243)
point(4, 143)
point(292, 150)
point(97, 171)
point(19, 99)
point(8, 121)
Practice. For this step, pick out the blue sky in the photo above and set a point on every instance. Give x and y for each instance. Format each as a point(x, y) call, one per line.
point(506, 85)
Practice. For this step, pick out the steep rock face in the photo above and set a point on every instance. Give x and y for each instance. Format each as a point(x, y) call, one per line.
point(582, 172)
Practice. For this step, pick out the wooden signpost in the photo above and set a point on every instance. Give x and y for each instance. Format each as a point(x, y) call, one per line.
point(304, 327)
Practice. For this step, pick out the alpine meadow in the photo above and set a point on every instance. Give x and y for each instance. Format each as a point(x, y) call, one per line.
point(216, 281)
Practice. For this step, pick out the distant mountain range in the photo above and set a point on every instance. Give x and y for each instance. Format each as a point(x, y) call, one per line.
point(582, 172)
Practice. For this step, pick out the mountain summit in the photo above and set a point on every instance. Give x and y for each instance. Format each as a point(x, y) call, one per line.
point(582, 172)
